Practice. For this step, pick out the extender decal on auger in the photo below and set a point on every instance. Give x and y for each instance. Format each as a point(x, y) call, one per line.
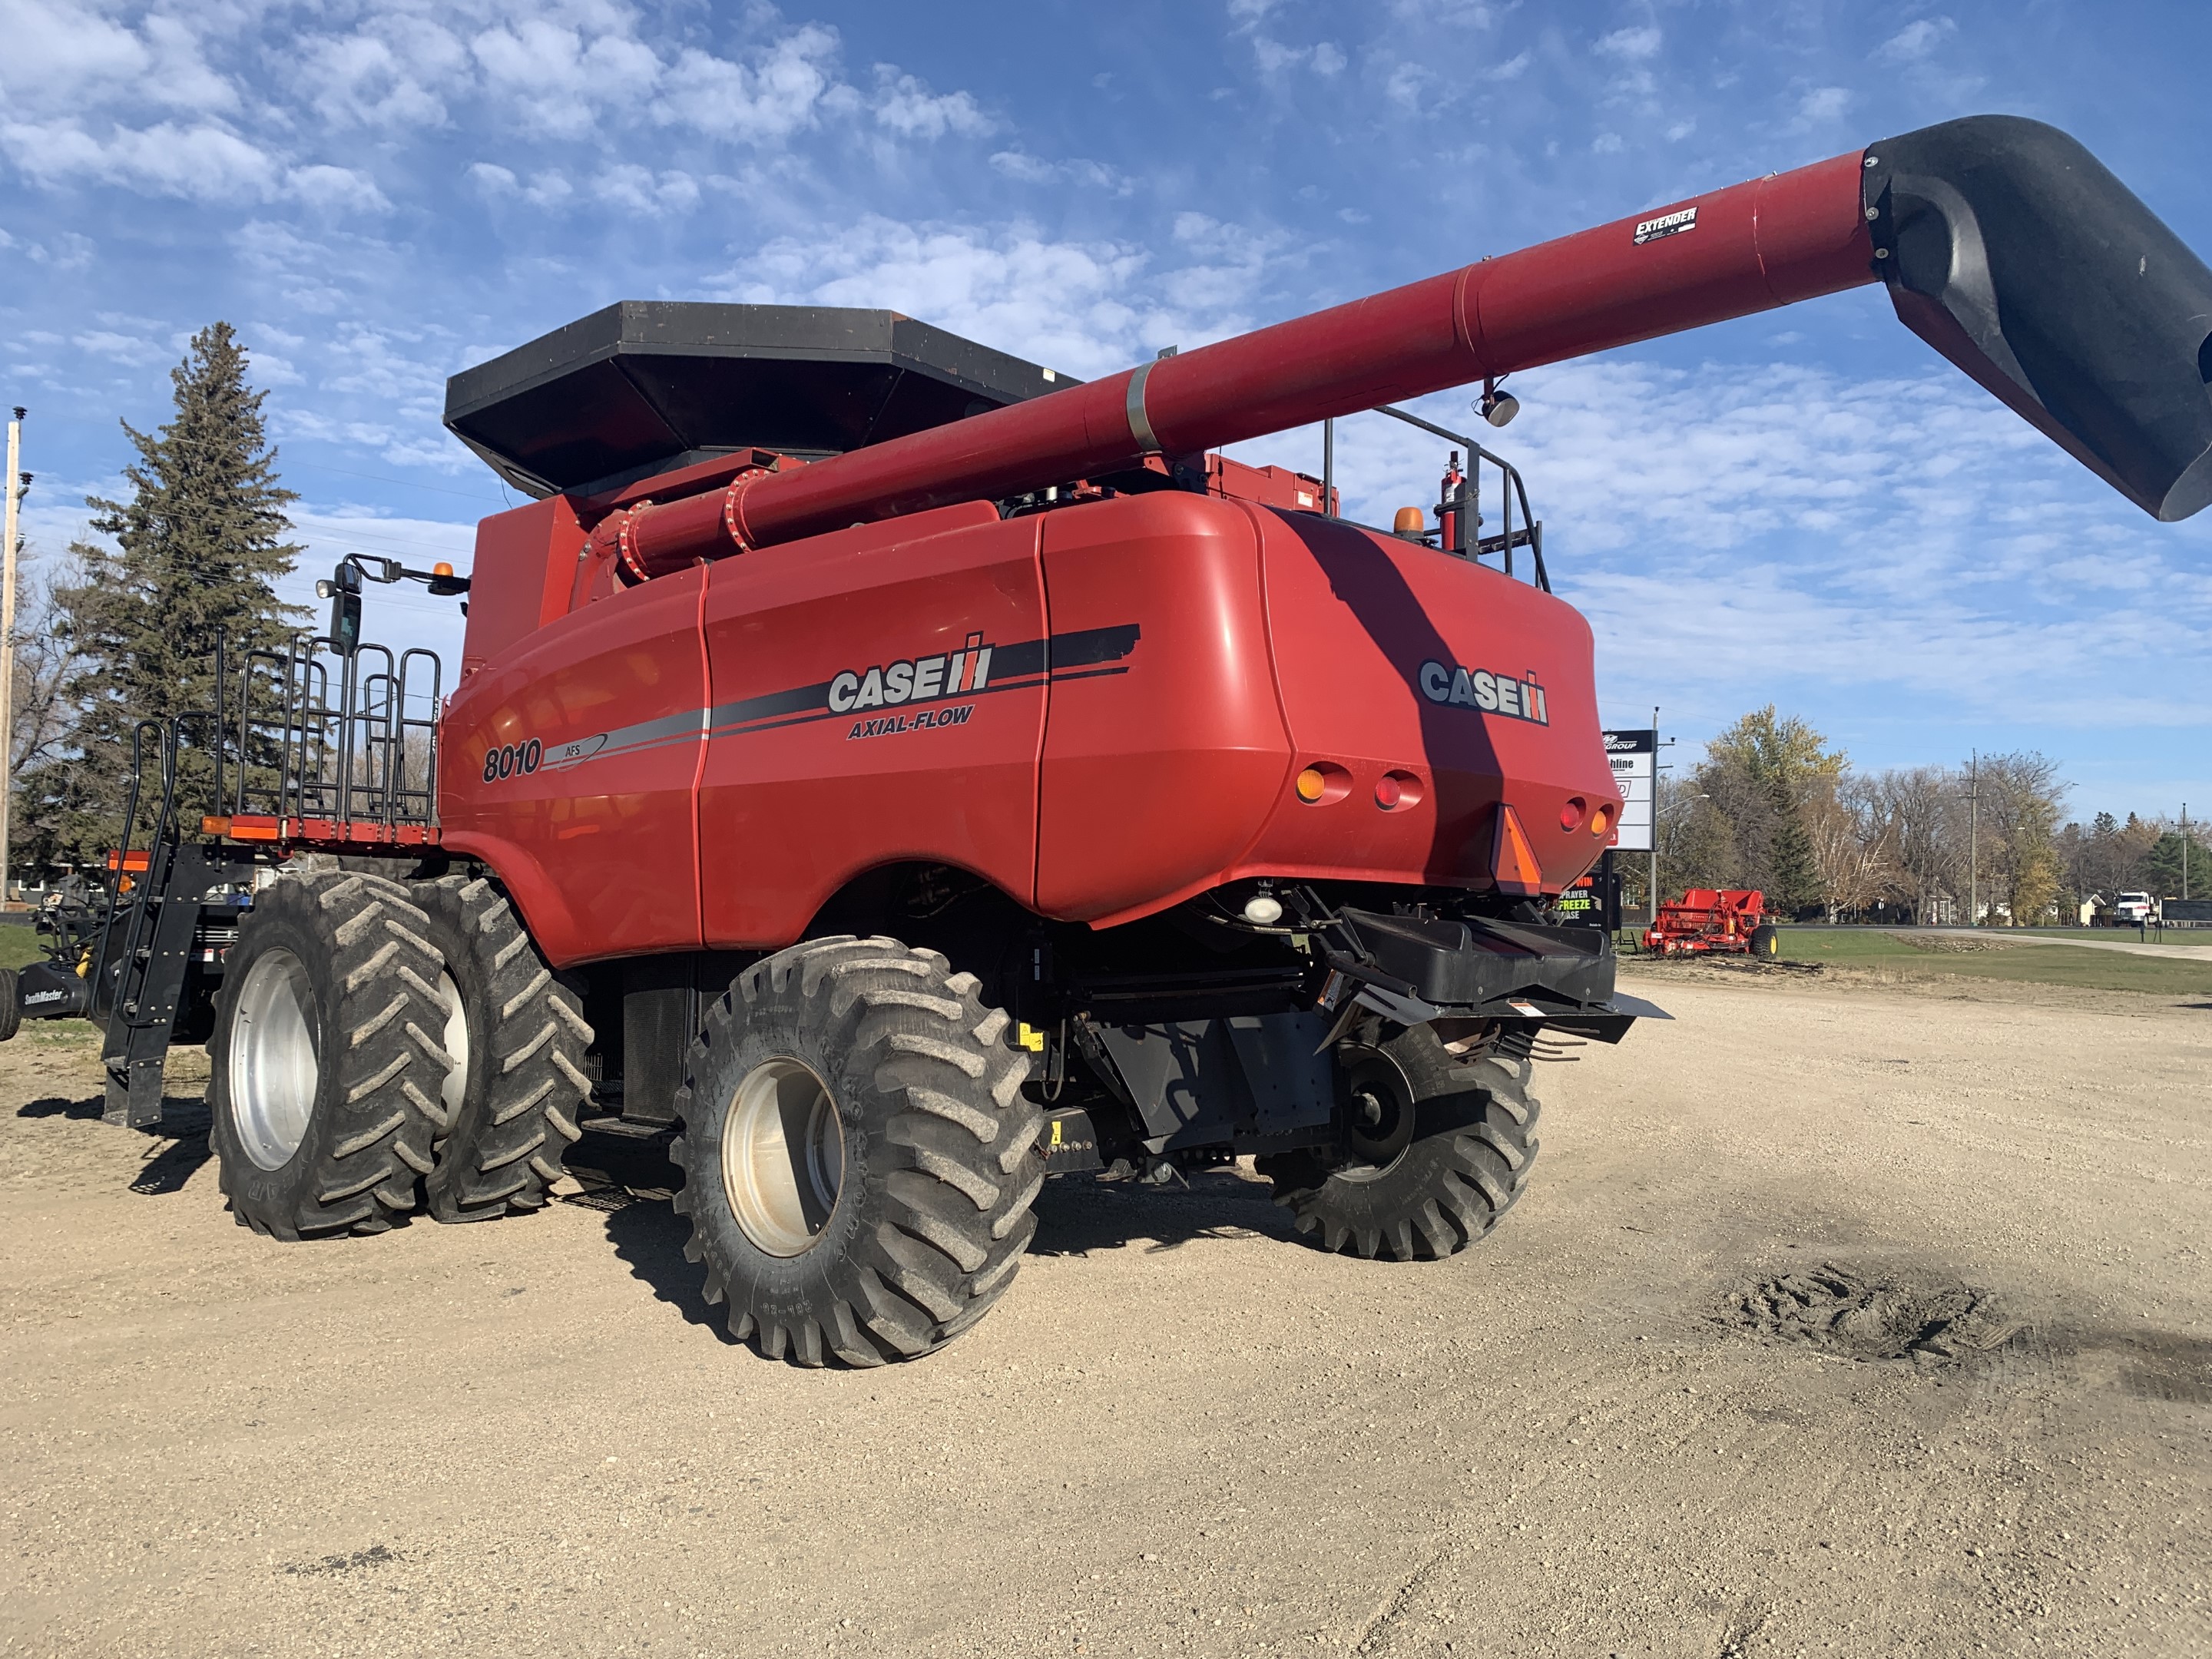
point(949, 684)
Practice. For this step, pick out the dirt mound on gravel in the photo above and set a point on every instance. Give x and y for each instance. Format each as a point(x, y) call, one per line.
point(1952, 943)
point(1856, 1316)
point(1756, 967)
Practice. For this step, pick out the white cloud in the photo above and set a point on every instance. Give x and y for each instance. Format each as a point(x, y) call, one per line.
point(393, 73)
point(119, 348)
point(1027, 169)
point(1822, 106)
point(554, 81)
point(205, 163)
point(578, 71)
point(639, 190)
point(782, 92)
point(1325, 59)
point(336, 190)
point(1916, 40)
point(1630, 44)
point(907, 106)
point(1066, 305)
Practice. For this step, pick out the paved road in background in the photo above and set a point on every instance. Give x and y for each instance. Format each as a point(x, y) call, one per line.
point(2007, 936)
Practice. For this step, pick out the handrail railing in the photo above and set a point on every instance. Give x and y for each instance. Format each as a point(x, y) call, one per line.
point(1472, 544)
point(353, 760)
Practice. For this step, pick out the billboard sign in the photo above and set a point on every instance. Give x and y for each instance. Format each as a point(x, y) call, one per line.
point(1634, 757)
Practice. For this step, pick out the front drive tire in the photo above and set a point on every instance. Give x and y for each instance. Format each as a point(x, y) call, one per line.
point(1418, 1195)
point(511, 1105)
point(326, 1057)
point(859, 1159)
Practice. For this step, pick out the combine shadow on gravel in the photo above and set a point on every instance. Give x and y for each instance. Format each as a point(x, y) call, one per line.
point(629, 1180)
point(1077, 1214)
point(54, 1106)
point(648, 1239)
point(182, 1131)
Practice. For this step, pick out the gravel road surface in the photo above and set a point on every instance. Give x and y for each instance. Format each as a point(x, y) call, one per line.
point(1836, 1320)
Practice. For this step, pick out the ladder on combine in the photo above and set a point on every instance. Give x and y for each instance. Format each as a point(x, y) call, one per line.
point(318, 751)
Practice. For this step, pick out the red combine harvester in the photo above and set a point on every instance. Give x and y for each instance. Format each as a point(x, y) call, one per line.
point(899, 773)
point(1730, 922)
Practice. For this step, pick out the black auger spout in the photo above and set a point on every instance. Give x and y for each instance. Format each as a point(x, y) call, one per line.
point(2017, 254)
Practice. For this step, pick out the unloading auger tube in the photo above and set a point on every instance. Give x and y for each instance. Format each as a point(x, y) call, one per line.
point(2003, 242)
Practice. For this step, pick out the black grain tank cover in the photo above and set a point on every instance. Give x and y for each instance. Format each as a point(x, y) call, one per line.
point(648, 386)
point(2012, 251)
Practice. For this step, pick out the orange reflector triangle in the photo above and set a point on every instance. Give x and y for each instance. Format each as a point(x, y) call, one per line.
point(1512, 861)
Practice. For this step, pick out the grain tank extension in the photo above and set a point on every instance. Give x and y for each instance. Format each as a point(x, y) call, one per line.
point(895, 774)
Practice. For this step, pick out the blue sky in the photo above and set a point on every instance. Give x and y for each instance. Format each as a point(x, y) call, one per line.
point(1807, 508)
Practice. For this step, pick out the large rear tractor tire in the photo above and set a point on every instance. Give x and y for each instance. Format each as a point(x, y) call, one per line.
point(510, 1105)
point(1400, 1191)
point(859, 1159)
point(326, 1057)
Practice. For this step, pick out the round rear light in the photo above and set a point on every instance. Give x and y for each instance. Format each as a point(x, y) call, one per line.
point(1570, 815)
point(1601, 820)
point(1312, 785)
point(1387, 792)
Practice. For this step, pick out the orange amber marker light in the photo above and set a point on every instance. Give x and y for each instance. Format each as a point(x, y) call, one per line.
point(442, 568)
point(1312, 785)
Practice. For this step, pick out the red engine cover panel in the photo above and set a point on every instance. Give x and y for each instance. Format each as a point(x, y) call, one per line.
point(593, 829)
point(879, 697)
point(1164, 750)
point(1439, 686)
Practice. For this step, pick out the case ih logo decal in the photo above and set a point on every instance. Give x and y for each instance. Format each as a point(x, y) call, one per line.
point(978, 669)
point(1488, 692)
point(925, 679)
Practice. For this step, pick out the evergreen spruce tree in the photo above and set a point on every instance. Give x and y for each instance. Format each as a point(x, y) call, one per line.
point(198, 549)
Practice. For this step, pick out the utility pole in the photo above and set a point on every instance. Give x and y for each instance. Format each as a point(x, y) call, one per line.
point(17, 482)
point(1973, 799)
point(1654, 906)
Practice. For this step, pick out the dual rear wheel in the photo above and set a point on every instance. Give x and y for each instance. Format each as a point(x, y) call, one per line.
point(380, 1043)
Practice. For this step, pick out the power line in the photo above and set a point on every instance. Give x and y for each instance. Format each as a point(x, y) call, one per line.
point(405, 484)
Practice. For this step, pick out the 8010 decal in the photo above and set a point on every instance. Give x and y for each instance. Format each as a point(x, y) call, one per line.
point(513, 760)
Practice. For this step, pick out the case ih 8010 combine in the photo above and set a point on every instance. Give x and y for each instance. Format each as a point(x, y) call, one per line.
point(907, 774)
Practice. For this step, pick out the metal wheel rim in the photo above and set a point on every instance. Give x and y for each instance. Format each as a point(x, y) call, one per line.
point(456, 1040)
point(1382, 1076)
point(783, 1157)
point(274, 1069)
